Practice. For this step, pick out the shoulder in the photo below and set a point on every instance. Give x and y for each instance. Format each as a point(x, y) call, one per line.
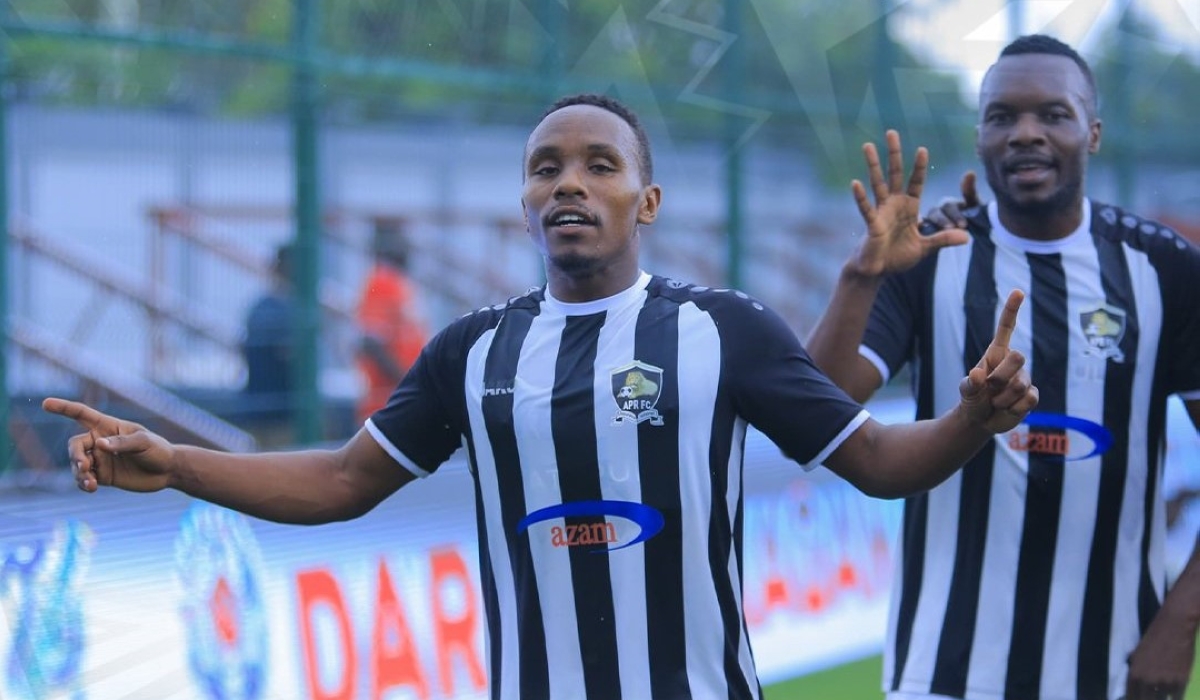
point(466, 329)
point(741, 320)
point(1141, 233)
point(716, 300)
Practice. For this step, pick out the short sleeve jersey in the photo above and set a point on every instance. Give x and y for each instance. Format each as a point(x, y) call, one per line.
point(1035, 570)
point(606, 440)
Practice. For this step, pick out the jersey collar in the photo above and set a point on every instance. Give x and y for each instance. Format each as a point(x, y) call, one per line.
point(585, 308)
point(1008, 239)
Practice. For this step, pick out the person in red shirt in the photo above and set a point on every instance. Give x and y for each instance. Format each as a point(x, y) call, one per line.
point(388, 314)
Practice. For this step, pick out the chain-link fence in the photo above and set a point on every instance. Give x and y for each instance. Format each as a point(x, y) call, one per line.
point(158, 154)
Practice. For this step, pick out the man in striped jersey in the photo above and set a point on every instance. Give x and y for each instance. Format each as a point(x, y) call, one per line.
point(1038, 570)
point(604, 417)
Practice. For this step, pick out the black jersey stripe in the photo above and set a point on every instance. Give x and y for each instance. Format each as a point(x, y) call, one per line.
point(656, 342)
point(1095, 629)
point(575, 452)
point(499, 370)
point(720, 452)
point(1044, 485)
point(916, 508)
point(980, 301)
point(487, 580)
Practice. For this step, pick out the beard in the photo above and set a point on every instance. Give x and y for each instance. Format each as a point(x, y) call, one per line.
point(1063, 199)
point(576, 264)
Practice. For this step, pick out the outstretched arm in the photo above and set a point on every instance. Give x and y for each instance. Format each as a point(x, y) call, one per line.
point(309, 487)
point(1161, 665)
point(892, 244)
point(891, 461)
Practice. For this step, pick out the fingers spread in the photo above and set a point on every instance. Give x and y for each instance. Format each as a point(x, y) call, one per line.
point(916, 181)
point(864, 204)
point(895, 162)
point(875, 172)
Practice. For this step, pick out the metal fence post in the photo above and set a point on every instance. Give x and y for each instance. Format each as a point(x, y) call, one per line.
point(306, 396)
point(6, 442)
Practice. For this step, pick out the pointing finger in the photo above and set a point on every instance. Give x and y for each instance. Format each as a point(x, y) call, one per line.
point(969, 194)
point(1008, 319)
point(81, 413)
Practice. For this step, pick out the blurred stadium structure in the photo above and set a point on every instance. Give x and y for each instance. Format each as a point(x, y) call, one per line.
point(156, 152)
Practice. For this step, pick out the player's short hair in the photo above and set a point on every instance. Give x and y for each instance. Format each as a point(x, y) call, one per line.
point(611, 104)
point(1045, 44)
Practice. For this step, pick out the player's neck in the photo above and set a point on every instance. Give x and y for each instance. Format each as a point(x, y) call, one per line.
point(1042, 225)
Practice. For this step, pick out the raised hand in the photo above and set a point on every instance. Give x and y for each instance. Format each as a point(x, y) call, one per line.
point(948, 214)
point(113, 452)
point(997, 393)
point(893, 242)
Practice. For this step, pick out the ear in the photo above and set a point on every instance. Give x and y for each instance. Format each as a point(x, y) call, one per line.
point(525, 215)
point(1094, 136)
point(648, 209)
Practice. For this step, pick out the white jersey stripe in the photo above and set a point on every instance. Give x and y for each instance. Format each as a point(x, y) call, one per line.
point(617, 447)
point(497, 543)
point(531, 402)
point(696, 399)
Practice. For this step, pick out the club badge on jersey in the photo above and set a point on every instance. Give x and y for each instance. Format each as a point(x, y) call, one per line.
point(1104, 327)
point(636, 388)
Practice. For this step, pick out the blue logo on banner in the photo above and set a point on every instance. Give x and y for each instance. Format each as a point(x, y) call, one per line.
point(218, 565)
point(1100, 436)
point(648, 519)
point(42, 583)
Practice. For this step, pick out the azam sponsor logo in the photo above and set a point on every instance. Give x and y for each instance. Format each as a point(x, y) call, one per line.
point(600, 535)
point(1052, 433)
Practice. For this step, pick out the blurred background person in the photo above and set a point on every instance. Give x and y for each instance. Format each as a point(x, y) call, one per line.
point(267, 351)
point(389, 317)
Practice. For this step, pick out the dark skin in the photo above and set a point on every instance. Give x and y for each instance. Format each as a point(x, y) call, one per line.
point(1037, 110)
point(1036, 131)
point(580, 161)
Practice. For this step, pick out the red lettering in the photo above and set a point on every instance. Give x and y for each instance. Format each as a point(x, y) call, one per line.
point(455, 635)
point(318, 587)
point(394, 659)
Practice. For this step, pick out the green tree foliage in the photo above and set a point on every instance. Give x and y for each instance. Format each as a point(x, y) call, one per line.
point(818, 77)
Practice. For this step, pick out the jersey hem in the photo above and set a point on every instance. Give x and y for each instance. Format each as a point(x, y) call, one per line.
point(393, 451)
point(854, 424)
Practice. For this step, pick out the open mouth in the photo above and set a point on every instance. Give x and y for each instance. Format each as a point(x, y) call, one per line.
point(1030, 171)
point(570, 219)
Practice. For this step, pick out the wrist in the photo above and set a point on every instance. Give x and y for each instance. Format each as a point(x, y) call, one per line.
point(971, 425)
point(855, 275)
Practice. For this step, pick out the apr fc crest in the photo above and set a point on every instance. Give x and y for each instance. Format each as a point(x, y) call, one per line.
point(1104, 327)
point(636, 388)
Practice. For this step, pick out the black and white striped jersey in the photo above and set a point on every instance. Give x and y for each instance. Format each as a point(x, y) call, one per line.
point(1033, 572)
point(606, 443)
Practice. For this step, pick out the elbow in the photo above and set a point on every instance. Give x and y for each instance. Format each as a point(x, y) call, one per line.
point(888, 490)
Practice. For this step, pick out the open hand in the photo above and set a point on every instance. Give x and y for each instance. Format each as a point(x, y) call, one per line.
point(997, 393)
point(113, 452)
point(893, 242)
